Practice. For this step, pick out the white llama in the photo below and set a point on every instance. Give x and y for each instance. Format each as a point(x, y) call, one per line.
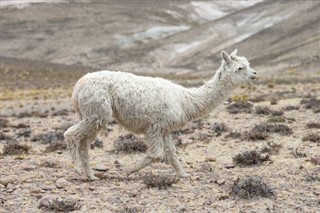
point(151, 106)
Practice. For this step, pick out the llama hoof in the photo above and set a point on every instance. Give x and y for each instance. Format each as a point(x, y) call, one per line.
point(128, 173)
point(184, 175)
point(93, 178)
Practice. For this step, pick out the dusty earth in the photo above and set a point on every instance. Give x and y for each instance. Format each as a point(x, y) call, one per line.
point(205, 152)
point(45, 48)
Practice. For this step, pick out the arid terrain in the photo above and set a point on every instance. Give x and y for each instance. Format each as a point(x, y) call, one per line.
point(259, 151)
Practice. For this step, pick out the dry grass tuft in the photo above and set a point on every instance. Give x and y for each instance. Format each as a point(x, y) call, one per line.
point(49, 164)
point(313, 137)
point(219, 128)
point(56, 146)
point(48, 138)
point(262, 110)
point(274, 101)
point(4, 123)
point(24, 133)
point(276, 119)
point(21, 126)
point(311, 103)
point(251, 187)
point(160, 181)
point(15, 148)
point(313, 125)
point(234, 134)
point(255, 134)
point(290, 107)
point(273, 128)
point(240, 107)
point(55, 203)
point(97, 143)
point(32, 114)
point(276, 112)
point(272, 148)
point(129, 209)
point(129, 143)
point(248, 158)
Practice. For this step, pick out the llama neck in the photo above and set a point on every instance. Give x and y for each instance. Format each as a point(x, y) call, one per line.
point(203, 100)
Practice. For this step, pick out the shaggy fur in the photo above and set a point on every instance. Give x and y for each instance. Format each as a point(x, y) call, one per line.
point(144, 105)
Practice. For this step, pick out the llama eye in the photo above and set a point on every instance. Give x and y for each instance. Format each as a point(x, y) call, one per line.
point(240, 68)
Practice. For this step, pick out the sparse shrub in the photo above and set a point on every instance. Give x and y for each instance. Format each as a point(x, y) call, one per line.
point(311, 103)
point(56, 146)
point(234, 134)
point(4, 123)
point(61, 112)
point(49, 164)
point(313, 137)
point(55, 203)
point(274, 101)
point(186, 131)
point(313, 125)
point(257, 99)
point(4, 136)
point(48, 138)
point(24, 133)
point(21, 125)
point(97, 143)
point(276, 112)
point(262, 110)
point(129, 209)
point(205, 167)
point(298, 154)
point(239, 98)
point(129, 143)
point(15, 148)
point(219, 128)
point(251, 187)
point(160, 181)
point(240, 107)
point(276, 119)
point(273, 128)
point(32, 114)
point(290, 107)
point(271, 148)
point(255, 135)
point(247, 158)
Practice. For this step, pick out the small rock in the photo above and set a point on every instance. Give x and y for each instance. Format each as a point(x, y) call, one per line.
point(315, 160)
point(317, 192)
point(221, 182)
point(62, 183)
point(223, 196)
point(99, 175)
point(101, 167)
point(181, 208)
point(229, 165)
point(29, 167)
point(210, 159)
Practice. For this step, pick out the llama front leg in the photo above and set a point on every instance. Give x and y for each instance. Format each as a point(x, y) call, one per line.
point(155, 151)
point(171, 156)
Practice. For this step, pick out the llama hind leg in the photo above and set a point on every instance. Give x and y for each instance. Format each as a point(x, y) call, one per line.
point(155, 152)
point(171, 156)
point(78, 138)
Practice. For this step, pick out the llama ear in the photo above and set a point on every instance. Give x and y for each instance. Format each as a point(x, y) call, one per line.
point(234, 53)
point(225, 57)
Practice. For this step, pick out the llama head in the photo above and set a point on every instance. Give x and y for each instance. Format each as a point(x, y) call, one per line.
point(237, 68)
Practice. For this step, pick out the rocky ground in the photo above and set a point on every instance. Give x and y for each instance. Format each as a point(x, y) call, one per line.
point(220, 151)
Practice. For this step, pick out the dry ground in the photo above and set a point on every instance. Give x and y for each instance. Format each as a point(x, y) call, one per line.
point(204, 152)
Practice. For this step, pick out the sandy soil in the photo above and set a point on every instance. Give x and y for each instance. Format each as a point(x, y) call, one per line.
point(25, 179)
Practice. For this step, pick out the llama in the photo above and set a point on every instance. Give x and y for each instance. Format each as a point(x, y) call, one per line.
point(143, 105)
